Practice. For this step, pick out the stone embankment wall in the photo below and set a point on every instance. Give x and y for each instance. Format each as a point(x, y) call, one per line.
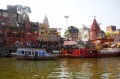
point(6, 51)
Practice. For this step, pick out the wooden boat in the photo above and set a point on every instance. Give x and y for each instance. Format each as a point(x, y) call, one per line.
point(94, 53)
point(67, 51)
point(107, 47)
point(86, 52)
point(34, 53)
point(83, 53)
point(108, 52)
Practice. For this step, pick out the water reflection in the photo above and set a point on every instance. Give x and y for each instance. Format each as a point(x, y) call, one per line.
point(35, 69)
point(93, 68)
point(84, 68)
point(74, 68)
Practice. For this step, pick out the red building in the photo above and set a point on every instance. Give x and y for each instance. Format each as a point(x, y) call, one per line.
point(12, 32)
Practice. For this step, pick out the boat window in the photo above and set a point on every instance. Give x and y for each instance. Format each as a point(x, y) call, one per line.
point(32, 52)
point(43, 53)
point(29, 52)
point(39, 53)
point(22, 52)
point(36, 53)
point(25, 52)
point(19, 52)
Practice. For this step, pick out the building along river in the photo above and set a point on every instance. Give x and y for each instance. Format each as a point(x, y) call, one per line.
point(63, 68)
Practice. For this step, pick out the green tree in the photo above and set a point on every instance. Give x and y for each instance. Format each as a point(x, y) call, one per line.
point(23, 11)
point(103, 34)
point(67, 33)
point(69, 30)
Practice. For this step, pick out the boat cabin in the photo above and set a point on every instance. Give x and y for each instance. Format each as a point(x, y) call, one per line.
point(31, 52)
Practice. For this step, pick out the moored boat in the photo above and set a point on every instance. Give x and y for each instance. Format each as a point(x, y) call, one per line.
point(34, 54)
point(108, 52)
point(68, 48)
point(83, 53)
point(103, 49)
point(94, 53)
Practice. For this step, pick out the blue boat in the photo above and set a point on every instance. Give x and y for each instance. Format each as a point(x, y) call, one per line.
point(34, 54)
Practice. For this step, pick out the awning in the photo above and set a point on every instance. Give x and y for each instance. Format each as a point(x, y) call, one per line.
point(70, 43)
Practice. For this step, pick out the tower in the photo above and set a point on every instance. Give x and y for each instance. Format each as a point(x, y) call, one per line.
point(45, 21)
point(94, 30)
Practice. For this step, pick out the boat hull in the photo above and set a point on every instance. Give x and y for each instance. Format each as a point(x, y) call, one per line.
point(83, 53)
point(26, 57)
point(108, 55)
point(83, 56)
point(64, 55)
point(108, 52)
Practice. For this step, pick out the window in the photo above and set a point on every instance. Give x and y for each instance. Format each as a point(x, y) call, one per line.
point(42, 33)
point(5, 15)
point(29, 52)
point(14, 15)
point(14, 35)
point(9, 34)
point(39, 53)
point(1, 34)
point(25, 52)
point(23, 35)
point(43, 53)
point(32, 52)
point(19, 52)
point(22, 52)
point(36, 53)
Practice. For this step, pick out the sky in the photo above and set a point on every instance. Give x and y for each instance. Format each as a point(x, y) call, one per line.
point(80, 12)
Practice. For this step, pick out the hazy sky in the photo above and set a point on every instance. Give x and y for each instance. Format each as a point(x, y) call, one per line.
point(80, 12)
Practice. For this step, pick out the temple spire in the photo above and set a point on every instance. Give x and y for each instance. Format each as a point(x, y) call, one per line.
point(45, 21)
point(94, 30)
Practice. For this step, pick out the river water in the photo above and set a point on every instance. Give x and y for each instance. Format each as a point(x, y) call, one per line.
point(63, 68)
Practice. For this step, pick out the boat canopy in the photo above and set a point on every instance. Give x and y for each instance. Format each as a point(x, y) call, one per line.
point(70, 43)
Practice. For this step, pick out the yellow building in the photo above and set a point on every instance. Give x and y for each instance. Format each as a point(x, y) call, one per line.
point(46, 33)
point(110, 28)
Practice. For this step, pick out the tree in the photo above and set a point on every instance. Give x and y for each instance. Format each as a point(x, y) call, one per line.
point(103, 34)
point(23, 12)
point(69, 31)
point(84, 32)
